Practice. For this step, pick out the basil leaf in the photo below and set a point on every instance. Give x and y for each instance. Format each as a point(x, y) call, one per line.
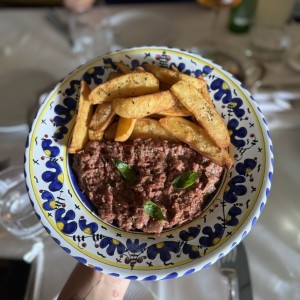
point(153, 210)
point(185, 180)
point(126, 171)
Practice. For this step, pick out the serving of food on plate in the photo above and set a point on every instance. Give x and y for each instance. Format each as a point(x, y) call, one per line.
point(138, 157)
point(149, 163)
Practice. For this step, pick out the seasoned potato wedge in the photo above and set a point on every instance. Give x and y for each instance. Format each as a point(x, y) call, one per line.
point(122, 67)
point(204, 91)
point(199, 83)
point(139, 69)
point(127, 85)
point(197, 138)
point(84, 115)
point(205, 114)
point(164, 75)
point(124, 129)
point(146, 128)
point(95, 135)
point(196, 82)
point(142, 106)
point(178, 110)
point(102, 117)
point(113, 75)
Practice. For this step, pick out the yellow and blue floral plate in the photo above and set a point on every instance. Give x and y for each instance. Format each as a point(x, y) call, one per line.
point(68, 218)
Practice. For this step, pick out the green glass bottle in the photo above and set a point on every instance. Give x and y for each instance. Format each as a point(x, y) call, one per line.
point(241, 16)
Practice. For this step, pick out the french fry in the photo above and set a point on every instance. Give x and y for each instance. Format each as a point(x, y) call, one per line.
point(102, 117)
point(168, 77)
point(205, 114)
point(124, 129)
point(174, 68)
point(95, 135)
point(84, 115)
point(178, 110)
point(139, 69)
point(142, 106)
point(164, 75)
point(127, 85)
point(199, 83)
point(113, 75)
point(122, 67)
point(197, 138)
point(146, 128)
point(204, 91)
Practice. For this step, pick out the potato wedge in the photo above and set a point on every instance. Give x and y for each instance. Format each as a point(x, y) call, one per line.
point(142, 106)
point(127, 85)
point(164, 75)
point(204, 91)
point(205, 114)
point(174, 68)
point(196, 82)
point(147, 128)
point(124, 129)
point(199, 83)
point(144, 128)
point(95, 135)
point(84, 115)
point(197, 138)
point(178, 110)
point(102, 117)
point(139, 69)
point(113, 75)
point(122, 67)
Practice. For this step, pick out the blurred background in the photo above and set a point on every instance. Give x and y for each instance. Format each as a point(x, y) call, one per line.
point(257, 40)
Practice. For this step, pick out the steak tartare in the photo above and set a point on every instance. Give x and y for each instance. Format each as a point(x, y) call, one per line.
point(156, 165)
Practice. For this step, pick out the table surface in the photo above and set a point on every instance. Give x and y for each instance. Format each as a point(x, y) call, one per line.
point(29, 43)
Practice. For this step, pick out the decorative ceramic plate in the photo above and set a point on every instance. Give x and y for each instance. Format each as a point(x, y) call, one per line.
point(67, 217)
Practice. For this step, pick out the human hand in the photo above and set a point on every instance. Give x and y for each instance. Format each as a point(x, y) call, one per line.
point(78, 5)
point(89, 284)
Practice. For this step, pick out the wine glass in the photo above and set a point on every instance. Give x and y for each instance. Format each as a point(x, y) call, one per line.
point(89, 33)
point(16, 212)
point(210, 48)
point(216, 6)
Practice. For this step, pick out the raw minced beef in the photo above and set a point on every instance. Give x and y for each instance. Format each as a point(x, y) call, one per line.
point(156, 164)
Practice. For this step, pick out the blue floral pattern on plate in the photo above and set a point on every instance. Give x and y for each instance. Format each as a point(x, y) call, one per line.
point(138, 256)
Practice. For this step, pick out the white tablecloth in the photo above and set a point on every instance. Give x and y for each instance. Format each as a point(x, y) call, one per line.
point(28, 42)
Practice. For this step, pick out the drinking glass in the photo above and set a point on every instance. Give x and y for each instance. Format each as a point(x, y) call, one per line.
point(16, 212)
point(269, 38)
point(88, 28)
point(210, 49)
